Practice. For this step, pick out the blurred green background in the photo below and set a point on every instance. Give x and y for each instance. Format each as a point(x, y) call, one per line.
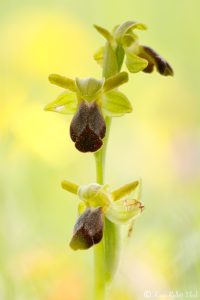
point(159, 143)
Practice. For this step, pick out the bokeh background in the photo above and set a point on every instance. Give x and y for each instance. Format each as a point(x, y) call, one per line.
point(159, 143)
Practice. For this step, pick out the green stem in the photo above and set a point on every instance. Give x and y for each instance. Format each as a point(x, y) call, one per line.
point(100, 156)
point(106, 252)
point(99, 249)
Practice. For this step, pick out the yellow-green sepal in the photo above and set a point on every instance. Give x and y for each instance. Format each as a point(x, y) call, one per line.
point(135, 63)
point(65, 103)
point(115, 104)
point(125, 27)
point(105, 33)
point(124, 210)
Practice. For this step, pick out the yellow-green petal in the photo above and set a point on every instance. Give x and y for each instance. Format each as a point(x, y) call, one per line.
point(125, 190)
point(70, 186)
point(115, 81)
point(63, 82)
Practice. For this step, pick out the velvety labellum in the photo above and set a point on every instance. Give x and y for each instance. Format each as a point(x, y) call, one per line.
point(88, 229)
point(162, 66)
point(88, 127)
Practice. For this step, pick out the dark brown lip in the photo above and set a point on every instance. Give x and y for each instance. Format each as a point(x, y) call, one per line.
point(88, 127)
point(88, 229)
